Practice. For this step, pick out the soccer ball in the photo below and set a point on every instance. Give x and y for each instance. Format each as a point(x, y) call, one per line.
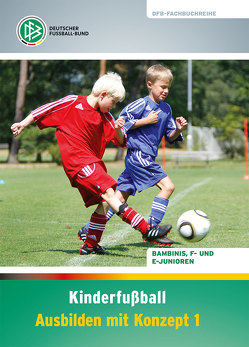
point(193, 225)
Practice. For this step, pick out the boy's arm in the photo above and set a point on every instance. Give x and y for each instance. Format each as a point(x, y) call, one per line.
point(17, 128)
point(119, 123)
point(181, 123)
point(152, 118)
point(132, 113)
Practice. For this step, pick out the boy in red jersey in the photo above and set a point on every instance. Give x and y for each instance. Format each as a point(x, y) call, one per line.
point(84, 127)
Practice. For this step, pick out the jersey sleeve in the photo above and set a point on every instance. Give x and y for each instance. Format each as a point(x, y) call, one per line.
point(132, 113)
point(171, 125)
point(51, 114)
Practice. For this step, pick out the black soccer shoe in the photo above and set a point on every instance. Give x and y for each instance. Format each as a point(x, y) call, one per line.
point(85, 250)
point(82, 233)
point(156, 232)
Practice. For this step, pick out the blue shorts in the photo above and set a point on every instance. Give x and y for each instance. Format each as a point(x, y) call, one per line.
point(141, 172)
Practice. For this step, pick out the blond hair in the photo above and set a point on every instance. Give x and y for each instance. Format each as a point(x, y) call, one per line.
point(158, 72)
point(112, 84)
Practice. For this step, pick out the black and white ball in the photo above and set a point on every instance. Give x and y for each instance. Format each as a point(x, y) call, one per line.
point(193, 225)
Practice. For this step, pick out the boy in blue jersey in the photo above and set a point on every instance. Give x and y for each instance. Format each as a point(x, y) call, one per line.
point(147, 120)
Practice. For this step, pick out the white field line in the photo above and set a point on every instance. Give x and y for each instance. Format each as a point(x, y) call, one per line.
point(183, 193)
point(116, 237)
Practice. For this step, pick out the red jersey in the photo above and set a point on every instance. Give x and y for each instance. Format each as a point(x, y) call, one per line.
point(82, 131)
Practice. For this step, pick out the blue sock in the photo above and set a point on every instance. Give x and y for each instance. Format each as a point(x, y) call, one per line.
point(87, 226)
point(109, 215)
point(158, 210)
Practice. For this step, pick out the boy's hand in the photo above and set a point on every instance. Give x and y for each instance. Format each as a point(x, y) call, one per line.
point(17, 128)
point(181, 123)
point(119, 123)
point(152, 117)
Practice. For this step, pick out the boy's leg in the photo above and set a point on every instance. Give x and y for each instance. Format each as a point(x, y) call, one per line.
point(125, 188)
point(95, 230)
point(133, 218)
point(158, 210)
point(160, 202)
point(91, 182)
point(122, 196)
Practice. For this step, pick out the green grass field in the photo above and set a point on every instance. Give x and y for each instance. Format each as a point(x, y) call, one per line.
point(41, 214)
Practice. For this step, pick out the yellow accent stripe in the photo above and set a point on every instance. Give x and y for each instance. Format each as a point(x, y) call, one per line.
point(174, 277)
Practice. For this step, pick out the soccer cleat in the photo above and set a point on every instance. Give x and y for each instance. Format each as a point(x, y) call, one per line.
point(82, 234)
point(156, 232)
point(85, 250)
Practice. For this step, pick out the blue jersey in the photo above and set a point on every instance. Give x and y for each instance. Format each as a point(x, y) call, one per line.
point(147, 138)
